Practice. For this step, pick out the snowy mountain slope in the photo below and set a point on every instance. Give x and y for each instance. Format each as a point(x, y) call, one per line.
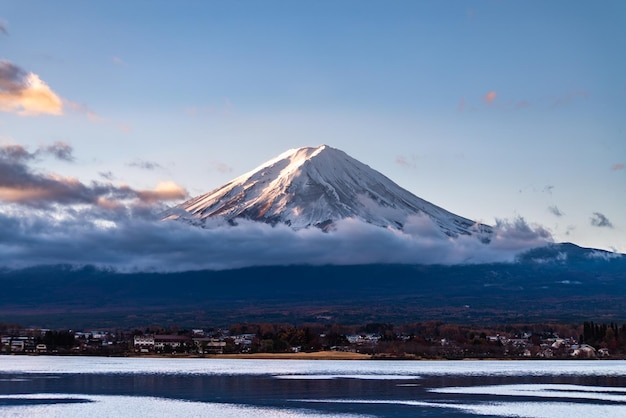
point(315, 187)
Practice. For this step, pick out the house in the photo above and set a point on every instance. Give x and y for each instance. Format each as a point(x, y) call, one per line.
point(17, 346)
point(206, 345)
point(583, 351)
point(143, 343)
point(171, 342)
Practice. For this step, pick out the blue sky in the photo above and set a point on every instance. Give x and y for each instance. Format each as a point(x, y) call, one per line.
point(490, 109)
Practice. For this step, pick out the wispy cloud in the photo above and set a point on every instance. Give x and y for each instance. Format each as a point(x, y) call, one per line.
point(555, 211)
point(522, 104)
point(617, 167)
point(24, 93)
point(3, 28)
point(84, 109)
point(221, 167)
point(118, 61)
point(410, 161)
point(601, 221)
point(567, 98)
point(145, 165)
point(107, 175)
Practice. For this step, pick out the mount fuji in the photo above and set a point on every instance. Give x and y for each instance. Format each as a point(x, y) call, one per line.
point(398, 258)
point(316, 187)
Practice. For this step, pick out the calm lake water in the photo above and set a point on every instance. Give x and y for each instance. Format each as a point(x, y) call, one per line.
point(46, 386)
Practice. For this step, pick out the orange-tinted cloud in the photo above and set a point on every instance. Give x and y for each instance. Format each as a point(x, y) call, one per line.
point(167, 190)
point(489, 97)
point(617, 167)
point(12, 195)
point(25, 93)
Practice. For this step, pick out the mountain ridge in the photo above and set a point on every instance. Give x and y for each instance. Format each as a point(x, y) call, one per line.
point(542, 287)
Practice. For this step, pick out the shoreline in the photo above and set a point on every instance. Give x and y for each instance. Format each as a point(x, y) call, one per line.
point(316, 355)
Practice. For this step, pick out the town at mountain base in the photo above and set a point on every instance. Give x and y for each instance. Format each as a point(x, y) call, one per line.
point(411, 341)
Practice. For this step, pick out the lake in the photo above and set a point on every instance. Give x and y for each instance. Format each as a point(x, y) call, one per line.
point(50, 386)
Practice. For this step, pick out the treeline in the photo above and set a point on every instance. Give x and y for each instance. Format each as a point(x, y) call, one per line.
point(434, 338)
point(609, 336)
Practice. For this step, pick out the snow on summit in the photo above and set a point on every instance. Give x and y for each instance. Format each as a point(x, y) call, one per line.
point(317, 186)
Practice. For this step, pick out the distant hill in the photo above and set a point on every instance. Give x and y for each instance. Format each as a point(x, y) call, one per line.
point(561, 282)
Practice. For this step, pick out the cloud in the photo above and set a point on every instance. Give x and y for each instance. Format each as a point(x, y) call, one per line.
point(518, 235)
point(617, 167)
point(60, 150)
point(20, 184)
point(568, 98)
point(133, 241)
point(555, 211)
point(221, 167)
point(600, 220)
point(118, 61)
point(407, 161)
point(3, 28)
point(145, 165)
point(489, 97)
point(84, 109)
point(25, 93)
point(167, 190)
point(107, 175)
point(15, 152)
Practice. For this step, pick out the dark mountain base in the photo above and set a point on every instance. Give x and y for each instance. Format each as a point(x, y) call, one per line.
point(482, 294)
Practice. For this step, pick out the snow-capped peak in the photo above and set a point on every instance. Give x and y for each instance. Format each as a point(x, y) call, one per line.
point(317, 186)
